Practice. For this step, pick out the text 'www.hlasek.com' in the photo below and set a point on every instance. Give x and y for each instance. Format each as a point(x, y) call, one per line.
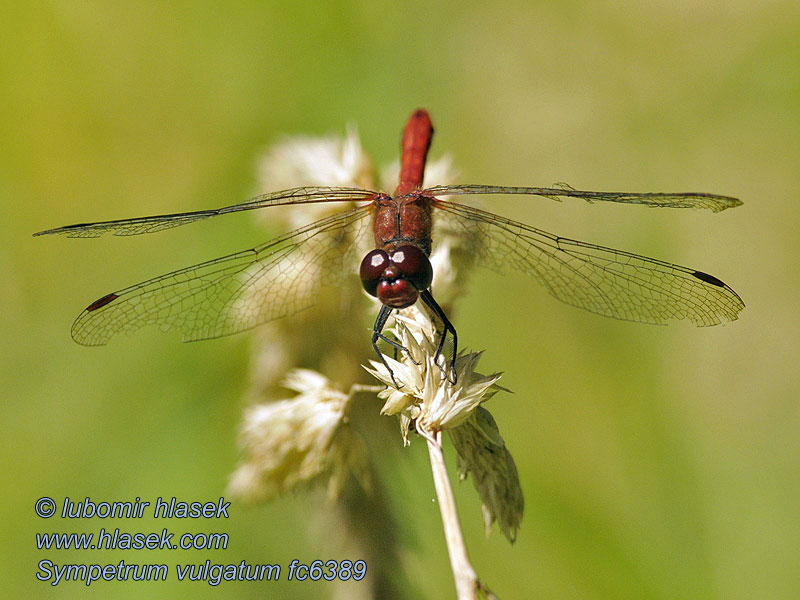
point(57, 572)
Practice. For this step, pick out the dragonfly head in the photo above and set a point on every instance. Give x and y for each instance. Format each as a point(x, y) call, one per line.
point(396, 279)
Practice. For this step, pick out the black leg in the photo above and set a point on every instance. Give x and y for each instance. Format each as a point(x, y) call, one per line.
point(383, 315)
point(376, 335)
point(427, 298)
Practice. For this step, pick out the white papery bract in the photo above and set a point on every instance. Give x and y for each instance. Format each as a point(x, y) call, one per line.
point(421, 388)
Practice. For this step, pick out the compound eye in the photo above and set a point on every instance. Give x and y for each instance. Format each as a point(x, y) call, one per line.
point(371, 269)
point(414, 266)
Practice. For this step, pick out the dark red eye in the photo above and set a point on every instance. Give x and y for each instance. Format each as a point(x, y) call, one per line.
point(371, 269)
point(414, 266)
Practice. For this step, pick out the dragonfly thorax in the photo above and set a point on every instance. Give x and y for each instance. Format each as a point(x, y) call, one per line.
point(403, 218)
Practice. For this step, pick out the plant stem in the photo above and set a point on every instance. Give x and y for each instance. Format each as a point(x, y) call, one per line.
point(466, 579)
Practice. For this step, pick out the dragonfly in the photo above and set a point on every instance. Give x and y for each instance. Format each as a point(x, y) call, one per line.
point(290, 273)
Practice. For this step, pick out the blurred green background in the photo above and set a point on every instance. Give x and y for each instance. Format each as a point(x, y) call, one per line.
point(657, 462)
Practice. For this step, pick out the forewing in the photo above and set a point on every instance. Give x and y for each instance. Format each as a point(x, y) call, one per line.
point(713, 202)
point(139, 225)
point(235, 292)
point(602, 280)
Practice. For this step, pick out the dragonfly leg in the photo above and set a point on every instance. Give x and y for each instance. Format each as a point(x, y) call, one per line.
point(427, 298)
point(383, 315)
point(376, 335)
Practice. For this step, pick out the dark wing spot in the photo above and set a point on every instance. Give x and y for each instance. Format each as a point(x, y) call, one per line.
point(708, 278)
point(101, 302)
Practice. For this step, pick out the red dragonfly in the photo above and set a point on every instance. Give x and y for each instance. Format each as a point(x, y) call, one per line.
point(239, 291)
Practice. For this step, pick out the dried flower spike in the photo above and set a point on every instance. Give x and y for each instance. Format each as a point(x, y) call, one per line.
point(482, 452)
point(297, 441)
point(421, 387)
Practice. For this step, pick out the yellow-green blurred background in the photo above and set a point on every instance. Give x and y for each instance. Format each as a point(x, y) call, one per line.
point(657, 462)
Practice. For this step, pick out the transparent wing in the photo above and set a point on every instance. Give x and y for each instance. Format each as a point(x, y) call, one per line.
point(602, 280)
point(139, 225)
point(677, 200)
point(235, 292)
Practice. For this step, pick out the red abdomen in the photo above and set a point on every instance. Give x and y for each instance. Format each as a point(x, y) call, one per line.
point(416, 141)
